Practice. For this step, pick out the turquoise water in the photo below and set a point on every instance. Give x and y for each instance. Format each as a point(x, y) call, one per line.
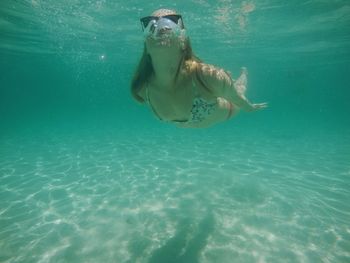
point(88, 175)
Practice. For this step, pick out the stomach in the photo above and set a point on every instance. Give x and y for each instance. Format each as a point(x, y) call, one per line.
point(224, 110)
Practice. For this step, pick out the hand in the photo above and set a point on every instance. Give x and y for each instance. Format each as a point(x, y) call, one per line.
point(258, 106)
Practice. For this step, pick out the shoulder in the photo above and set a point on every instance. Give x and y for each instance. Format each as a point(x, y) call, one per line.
point(210, 76)
point(213, 74)
point(207, 71)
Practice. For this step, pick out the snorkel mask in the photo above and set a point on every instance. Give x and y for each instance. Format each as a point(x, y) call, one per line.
point(163, 27)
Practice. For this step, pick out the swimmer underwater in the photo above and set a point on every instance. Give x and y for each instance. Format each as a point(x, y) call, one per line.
point(177, 85)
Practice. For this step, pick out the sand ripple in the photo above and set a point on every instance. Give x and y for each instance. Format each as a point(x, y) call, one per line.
point(173, 199)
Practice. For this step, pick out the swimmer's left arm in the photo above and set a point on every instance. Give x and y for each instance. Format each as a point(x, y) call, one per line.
point(222, 85)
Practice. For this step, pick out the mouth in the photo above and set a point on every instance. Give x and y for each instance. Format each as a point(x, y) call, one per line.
point(163, 42)
point(162, 38)
point(163, 34)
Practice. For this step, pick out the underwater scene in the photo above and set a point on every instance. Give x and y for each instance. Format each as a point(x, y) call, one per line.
point(88, 174)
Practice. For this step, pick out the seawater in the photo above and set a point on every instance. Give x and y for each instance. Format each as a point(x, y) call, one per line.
point(88, 175)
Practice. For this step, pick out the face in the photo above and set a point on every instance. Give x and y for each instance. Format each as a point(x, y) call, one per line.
point(163, 30)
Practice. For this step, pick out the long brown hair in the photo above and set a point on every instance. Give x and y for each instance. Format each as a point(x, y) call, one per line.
point(145, 71)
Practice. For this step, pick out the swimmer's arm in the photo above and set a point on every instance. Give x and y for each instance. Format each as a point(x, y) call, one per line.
point(222, 85)
point(142, 94)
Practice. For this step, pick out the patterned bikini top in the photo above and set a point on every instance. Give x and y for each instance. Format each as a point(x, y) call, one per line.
point(200, 110)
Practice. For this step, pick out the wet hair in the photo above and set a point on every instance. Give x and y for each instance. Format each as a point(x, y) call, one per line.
point(164, 12)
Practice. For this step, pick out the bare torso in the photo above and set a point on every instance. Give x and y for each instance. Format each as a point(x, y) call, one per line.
point(175, 103)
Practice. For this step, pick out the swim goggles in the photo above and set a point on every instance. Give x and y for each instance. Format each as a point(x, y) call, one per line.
point(177, 19)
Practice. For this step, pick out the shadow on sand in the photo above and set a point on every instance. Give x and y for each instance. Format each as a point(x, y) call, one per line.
point(187, 243)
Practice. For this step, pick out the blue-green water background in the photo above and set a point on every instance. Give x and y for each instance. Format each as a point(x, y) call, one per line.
point(88, 175)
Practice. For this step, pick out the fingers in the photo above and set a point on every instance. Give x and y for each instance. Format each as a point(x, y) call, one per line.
point(263, 105)
point(260, 106)
point(244, 70)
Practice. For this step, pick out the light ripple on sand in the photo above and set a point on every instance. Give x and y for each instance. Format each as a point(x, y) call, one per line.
point(93, 199)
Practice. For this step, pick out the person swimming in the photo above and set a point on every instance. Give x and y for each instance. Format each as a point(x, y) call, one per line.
point(180, 88)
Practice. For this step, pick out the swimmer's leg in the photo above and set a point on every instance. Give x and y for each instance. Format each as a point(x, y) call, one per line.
point(242, 82)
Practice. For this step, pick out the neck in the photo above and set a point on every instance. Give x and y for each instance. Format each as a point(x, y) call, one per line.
point(165, 65)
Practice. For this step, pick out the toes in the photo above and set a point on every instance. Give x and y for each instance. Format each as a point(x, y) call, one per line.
point(244, 70)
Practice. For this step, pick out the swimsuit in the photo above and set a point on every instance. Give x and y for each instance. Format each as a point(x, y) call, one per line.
point(201, 108)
